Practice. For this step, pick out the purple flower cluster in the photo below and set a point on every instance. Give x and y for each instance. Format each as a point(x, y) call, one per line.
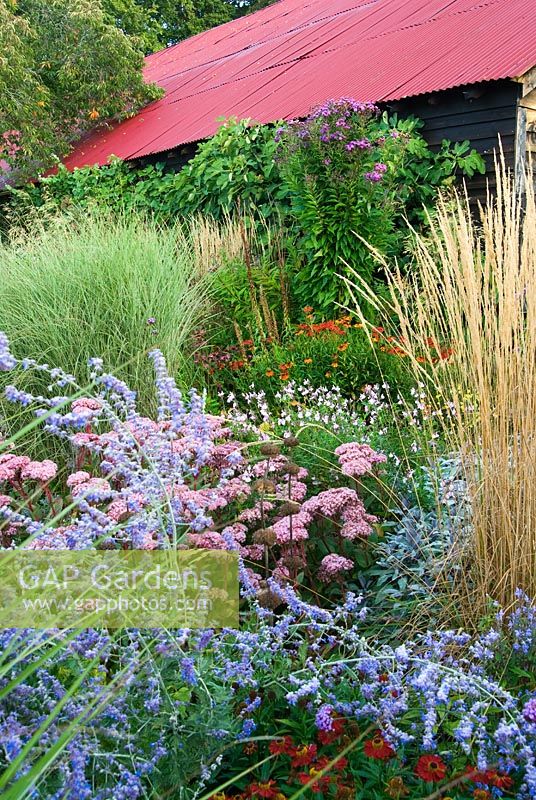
point(104, 757)
point(341, 139)
point(377, 173)
point(7, 361)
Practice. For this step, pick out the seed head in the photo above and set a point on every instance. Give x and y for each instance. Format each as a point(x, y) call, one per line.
point(290, 507)
point(270, 449)
point(292, 469)
point(265, 536)
point(265, 485)
point(268, 599)
point(291, 441)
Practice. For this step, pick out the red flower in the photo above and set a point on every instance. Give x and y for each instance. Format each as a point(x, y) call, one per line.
point(304, 755)
point(377, 747)
point(282, 746)
point(431, 768)
point(341, 764)
point(481, 794)
point(501, 781)
point(489, 777)
point(475, 776)
point(337, 730)
point(266, 790)
point(321, 783)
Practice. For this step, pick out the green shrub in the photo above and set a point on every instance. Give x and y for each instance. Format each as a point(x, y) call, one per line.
point(240, 166)
point(234, 169)
point(351, 174)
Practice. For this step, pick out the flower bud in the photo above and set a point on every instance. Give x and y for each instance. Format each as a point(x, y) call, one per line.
point(292, 469)
point(265, 485)
point(268, 599)
point(291, 441)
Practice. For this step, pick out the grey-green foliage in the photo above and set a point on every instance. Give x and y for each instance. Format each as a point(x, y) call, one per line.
point(421, 544)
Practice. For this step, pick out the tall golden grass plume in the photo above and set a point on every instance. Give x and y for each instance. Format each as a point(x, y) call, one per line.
point(472, 291)
point(212, 241)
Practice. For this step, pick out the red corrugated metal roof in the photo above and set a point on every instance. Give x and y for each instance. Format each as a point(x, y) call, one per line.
point(280, 61)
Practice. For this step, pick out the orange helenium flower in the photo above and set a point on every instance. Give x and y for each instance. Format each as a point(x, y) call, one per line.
point(304, 755)
point(267, 790)
point(284, 746)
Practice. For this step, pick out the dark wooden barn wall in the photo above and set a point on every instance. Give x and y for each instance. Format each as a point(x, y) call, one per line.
point(480, 113)
point(174, 160)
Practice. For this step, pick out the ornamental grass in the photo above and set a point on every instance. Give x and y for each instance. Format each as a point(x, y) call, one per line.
point(472, 294)
point(116, 286)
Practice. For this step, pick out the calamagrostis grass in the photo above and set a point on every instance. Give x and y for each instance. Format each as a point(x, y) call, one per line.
point(473, 289)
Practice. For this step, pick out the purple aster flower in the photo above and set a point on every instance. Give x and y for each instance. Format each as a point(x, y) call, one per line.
point(373, 177)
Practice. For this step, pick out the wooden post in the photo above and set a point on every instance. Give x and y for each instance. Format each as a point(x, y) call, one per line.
point(526, 113)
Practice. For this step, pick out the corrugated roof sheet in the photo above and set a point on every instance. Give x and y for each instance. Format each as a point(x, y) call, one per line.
point(280, 61)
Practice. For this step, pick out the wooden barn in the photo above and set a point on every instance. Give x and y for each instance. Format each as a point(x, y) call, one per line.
point(466, 67)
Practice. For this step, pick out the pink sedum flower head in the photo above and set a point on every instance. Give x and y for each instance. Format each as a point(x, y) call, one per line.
point(332, 566)
point(77, 478)
point(11, 466)
point(118, 510)
point(342, 504)
point(86, 404)
point(42, 471)
point(208, 540)
point(299, 528)
point(358, 459)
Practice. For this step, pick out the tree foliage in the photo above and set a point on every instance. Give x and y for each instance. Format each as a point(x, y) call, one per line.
point(62, 68)
point(158, 23)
